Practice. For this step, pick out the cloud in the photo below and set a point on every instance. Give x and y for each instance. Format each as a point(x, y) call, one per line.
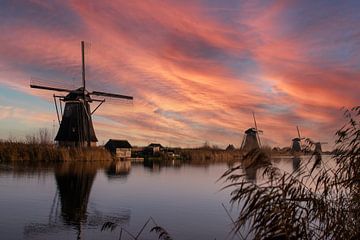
point(197, 69)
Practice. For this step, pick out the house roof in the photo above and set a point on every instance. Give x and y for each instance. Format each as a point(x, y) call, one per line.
point(155, 145)
point(114, 143)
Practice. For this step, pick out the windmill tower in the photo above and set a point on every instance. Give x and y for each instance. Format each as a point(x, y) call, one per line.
point(251, 138)
point(318, 146)
point(296, 142)
point(76, 127)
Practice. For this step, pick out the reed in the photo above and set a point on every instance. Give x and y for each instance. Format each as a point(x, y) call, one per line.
point(314, 202)
point(209, 155)
point(11, 151)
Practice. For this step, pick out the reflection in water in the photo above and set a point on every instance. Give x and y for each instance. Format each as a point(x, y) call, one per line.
point(318, 160)
point(119, 169)
point(80, 188)
point(74, 182)
point(155, 166)
point(296, 161)
point(251, 172)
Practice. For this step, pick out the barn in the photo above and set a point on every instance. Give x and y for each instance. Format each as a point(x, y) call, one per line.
point(119, 148)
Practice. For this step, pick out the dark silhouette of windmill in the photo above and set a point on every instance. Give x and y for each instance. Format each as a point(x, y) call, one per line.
point(251, 139)
point(296, 142)
point(76, 127)
point(317, 146)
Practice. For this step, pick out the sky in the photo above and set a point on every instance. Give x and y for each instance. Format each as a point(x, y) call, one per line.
point(197, 69)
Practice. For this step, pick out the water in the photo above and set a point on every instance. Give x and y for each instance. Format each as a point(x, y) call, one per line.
point(73, 201)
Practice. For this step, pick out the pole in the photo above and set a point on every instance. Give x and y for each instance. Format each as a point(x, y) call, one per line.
point(84, 97)
point(83, 65)
point(298, 131)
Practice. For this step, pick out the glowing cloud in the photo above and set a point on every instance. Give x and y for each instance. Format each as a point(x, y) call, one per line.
point(197, 69)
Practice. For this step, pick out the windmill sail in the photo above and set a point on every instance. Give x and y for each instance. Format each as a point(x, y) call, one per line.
point(76, 127)
point(112, 95)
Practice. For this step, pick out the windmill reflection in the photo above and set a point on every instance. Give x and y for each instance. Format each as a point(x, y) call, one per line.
point(74, 182)
point(250, 173)
point(252, 170)
point(296, 161)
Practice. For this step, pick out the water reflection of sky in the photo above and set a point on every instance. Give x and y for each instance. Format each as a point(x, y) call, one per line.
point(185, 200)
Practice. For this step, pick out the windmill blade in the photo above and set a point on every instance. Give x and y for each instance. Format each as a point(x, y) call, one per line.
point(254, 120)
point(50, 88)
point(297, 128)
point(51, 84)
point(111, 95)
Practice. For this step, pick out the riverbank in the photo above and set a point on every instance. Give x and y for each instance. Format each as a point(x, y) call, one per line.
point(36, 152)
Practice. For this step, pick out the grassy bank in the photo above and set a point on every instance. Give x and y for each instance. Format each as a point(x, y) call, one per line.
point(209, 155)
point(38, 152)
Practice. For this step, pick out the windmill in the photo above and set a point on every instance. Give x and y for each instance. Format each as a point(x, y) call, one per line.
point(76, 127)
point(251, 138)
point(296, 142)
point(318, 145)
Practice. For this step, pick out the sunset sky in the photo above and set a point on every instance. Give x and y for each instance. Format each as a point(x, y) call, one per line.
point(196, 68)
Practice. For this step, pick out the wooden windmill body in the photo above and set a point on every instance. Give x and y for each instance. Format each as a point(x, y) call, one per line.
point(296, 142)
point(76, 127)
point(317, 145)
point(251, 138)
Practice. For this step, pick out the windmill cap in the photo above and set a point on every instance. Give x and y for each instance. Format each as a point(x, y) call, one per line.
point(251, 130)
point(74, 95)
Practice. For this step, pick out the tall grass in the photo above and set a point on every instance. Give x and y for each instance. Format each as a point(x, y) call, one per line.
point(37, 152)
point(315, 202)
point(209, 155)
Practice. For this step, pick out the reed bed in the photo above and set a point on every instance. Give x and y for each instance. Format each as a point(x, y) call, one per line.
point(209, 155)
point(41, 152)
point(315, 202)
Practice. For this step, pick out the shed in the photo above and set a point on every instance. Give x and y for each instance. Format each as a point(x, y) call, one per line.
point(119, 148)
point(156, 147)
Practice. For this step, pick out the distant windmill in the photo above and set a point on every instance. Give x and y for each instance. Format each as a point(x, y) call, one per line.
point(251, 138)
point(76, 127)
point(296, 142)
point(318, 148)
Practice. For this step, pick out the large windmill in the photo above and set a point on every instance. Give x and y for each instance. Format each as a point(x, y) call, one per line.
point(76, 127)
point(296, 142)
point(251, 138)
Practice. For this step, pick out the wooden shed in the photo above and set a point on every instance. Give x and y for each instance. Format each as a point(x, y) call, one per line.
point(119, 148)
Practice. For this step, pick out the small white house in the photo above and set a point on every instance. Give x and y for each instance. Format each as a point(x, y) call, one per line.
point(119, 148)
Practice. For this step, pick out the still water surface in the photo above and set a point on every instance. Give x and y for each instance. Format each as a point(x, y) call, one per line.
point(72, 201)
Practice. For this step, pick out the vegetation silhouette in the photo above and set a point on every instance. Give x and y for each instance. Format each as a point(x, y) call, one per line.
point(315, 201)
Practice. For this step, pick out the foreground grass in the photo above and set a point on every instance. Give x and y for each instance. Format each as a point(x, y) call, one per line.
point(315, 202)
point(37, 152)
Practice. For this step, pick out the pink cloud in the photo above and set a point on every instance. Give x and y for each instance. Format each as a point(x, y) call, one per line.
point(194, 76)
